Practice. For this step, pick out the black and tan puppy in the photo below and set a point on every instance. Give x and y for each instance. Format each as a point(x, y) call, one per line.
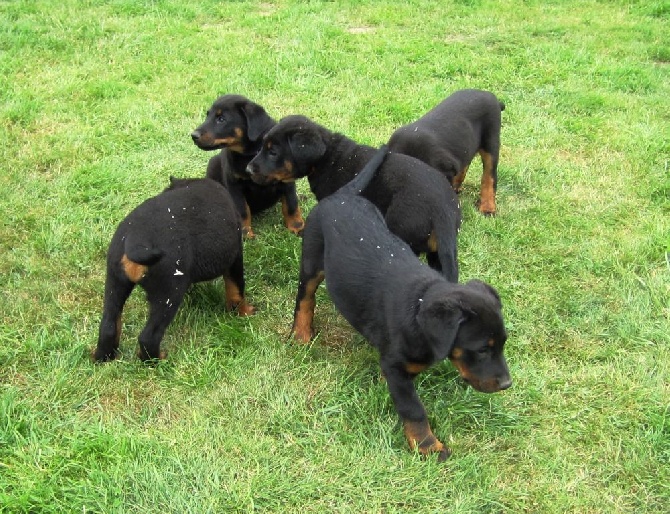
point(236, 125)
point(410, 313)
point(448, 136)
point(416, 200)
point(189, 233)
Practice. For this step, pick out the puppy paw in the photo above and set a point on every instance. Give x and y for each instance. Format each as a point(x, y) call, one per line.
point(443, 452)
point(420, 437)
point(245, 309)
point(248, 233)
point(98, 355)
point(487, 206)
point(149, 359)
point(302, 335)
point(296, 227)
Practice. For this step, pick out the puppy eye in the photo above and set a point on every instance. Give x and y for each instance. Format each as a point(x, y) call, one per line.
point(273, 152)
point(220, 119)
point(483, 351)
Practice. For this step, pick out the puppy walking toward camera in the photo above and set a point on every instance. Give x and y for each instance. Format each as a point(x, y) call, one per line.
point(189, 233)
point(416, 200)
point(450, 135)
point(409, 312)
point(236, 125)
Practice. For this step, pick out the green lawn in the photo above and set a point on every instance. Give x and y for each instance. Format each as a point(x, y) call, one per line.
point(97, 101)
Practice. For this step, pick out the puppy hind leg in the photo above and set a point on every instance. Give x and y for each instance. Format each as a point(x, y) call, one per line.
point(433, 261)
point(117, 291)
point(442, 256)
point(457, 181)
point(489, 185)
point(448, 258)
point(162, 310)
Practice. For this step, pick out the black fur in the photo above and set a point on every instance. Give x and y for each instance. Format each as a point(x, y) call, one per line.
point(449, 136)
point(236, 125)
point(416, 200)
point(189, 233)
point(409, 312)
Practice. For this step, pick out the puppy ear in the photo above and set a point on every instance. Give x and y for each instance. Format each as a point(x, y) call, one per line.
point(439, 322)
point(307, 146)
point(258, 120)
point(484, 288)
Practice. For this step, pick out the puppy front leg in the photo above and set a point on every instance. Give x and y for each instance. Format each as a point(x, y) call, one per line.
point(305, 302)
point(242, 208)
point(311, 275)
point(234, 283)
point(291, 210)
point(411, 411)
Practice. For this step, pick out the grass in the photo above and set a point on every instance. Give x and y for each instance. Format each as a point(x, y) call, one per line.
point(97, 102)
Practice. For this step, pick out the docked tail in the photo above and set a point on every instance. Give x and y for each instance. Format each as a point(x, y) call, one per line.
point(142, 254)
point(365, 176)
point(137, 259)
point(502, 106)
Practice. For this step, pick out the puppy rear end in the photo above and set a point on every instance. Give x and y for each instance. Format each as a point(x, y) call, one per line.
point(189, 233)
point(450, 135)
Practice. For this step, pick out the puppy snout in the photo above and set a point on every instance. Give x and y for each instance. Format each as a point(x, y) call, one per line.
point(195, 135)
point(505, 383)
point(250, 169)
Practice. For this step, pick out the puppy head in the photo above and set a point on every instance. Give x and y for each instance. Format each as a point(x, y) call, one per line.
point(289, 151)
point(233, 122)
point(466, 325)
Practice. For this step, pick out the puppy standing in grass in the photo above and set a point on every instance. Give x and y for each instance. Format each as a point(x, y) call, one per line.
point(189, 233)
point(410, 313)
point(416, 200)
point(448, 136)
point(236, 125)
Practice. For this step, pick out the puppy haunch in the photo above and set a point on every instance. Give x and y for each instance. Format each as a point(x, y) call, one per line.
point(188, 233)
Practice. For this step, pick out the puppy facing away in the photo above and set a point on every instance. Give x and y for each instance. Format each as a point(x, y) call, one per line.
point(416, 200)
point(189, 233)
point(409, 312)
point(449, 136)
point(236, 125)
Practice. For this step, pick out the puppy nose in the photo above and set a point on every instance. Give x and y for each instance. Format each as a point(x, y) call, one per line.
point(195, 135)
point(250, 169)
point(505, 383)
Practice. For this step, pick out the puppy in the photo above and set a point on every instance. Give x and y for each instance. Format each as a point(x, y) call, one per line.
point(237, 125)
point(448, 136)
point(410, 313)
point(416, 200)
point(189, 233)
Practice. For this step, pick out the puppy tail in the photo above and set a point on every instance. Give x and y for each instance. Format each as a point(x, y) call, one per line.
point(142, 254)
point(365, 176)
